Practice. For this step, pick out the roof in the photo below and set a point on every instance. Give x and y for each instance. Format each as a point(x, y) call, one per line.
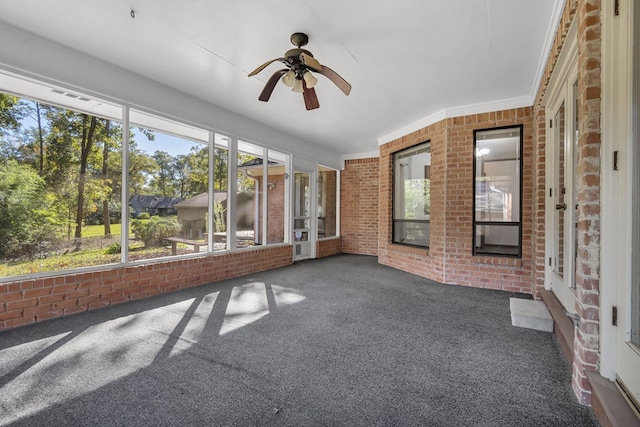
point(202, 200)
point(153, 202)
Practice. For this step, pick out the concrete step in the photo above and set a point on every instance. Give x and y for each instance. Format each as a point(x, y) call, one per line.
point(530, 314)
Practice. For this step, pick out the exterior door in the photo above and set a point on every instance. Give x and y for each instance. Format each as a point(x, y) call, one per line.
point(561, 206)
point(628, 239)
point(303, 237)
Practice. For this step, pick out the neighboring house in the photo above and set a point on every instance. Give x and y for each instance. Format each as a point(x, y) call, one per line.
point(192, 212)
point(154, 205)
point(253, 169)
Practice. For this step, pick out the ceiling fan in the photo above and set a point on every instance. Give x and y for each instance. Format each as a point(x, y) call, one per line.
point(300, 62)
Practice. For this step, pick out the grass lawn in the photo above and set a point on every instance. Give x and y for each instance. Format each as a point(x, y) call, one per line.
point(98, 230)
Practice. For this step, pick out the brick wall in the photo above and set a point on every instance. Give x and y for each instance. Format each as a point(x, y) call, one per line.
point(586, 344)
point(589, 42)
point(449, 258)
point(275, 200)
point(359, 206)
point(34, 300)
point(328, 247)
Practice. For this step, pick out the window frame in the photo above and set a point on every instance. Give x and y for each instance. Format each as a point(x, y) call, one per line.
point(154, 121)
point(518, 224)
point(322, 193)
point(394, 193)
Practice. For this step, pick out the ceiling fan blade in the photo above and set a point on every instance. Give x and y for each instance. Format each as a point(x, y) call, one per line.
point(271, 84)
point(342, 84)
point(310, 98)
point(265, 65)
point(310, 62)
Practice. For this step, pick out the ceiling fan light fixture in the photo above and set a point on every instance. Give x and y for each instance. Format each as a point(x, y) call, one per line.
point(297, 86)
point(288, 78)
point(310, 79)
point(298, 63)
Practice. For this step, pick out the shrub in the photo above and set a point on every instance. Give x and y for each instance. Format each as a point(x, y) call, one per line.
point(154, 231)
point(143, 215)
point(113, 248)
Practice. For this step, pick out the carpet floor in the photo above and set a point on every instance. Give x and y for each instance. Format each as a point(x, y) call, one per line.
point(336, 341)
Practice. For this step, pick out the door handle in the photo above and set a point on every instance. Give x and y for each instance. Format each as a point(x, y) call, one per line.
point(561, 206)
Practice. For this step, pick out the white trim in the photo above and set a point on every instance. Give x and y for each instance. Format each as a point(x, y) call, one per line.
point(559, 92)
point(124, 196)
point(458, 111)
point(338, 203)
point(264, 224)
point(354, 156)
point(211, 190)
point(232, 191)
point(566, 59)
point(545, 54)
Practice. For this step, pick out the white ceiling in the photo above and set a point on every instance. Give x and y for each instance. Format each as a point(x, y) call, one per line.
point(407, 60)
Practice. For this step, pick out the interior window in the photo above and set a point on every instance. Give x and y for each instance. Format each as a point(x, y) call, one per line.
point(411, 195)
point(327, 201)
point(498, 191)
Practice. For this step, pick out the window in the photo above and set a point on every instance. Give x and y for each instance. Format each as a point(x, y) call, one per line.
point(260, 194)
point(220, 192)
point(276, 191)
point(249, 196)
point(411, 195)
point(498, 192)
point(327, 201)
point(168, 187)
point(66, 204)
point(60, 182)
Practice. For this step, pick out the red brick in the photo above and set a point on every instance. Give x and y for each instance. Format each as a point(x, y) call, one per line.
point(13, 314)
point(14, 305)
point(14, 323)
point(38, 292)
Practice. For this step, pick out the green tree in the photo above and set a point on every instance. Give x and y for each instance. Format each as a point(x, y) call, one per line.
point(29, 214)
point(12, 111)
point(220, 168)
point(163, 180)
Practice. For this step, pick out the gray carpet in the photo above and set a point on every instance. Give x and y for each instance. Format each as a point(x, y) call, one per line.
point(336, 341)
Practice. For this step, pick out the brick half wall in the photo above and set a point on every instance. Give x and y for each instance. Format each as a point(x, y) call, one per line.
point(28, 301)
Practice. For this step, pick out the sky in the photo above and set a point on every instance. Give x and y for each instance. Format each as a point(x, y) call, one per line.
point(162, 141)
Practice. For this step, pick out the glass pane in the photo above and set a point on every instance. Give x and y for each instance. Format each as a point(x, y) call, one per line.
point(168, 192)
point(301, 198)
point(498, 176)
point(412, 232)
point(412, 195)
point(60, 187)
point(249, 195)
point(327, 195)
point(276, 197)
point(497, 239)
point(559, 190)
point(299, 223)
point(220, 191)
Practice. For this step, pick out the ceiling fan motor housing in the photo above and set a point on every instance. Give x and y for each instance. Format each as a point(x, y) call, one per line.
point(299, 39)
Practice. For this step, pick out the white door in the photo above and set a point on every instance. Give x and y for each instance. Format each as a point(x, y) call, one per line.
point(303, 225)
point(561, 206)
point(628, 239)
